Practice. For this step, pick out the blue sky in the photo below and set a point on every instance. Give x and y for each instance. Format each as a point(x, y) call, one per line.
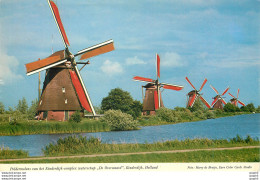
point(214, 39)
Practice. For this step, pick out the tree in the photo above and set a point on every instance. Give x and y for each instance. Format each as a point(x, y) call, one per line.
point(10, 110)
point(2, 108)
point(258, 109)
point(231, 108)
point(119, 99)
point(33, 109)
point(22, 106)
point(251, 107)
point(198, 106)
point(136, 109)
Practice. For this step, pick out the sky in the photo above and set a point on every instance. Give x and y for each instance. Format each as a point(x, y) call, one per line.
point(214, 39)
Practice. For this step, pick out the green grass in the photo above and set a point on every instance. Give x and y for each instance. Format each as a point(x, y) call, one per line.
point(241, 155)
point(153, 120)
point(51, 127)
point(6, 153)
point(74, 145)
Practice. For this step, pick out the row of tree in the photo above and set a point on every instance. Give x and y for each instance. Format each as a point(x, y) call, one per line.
point(22, 107)
point(118, 99)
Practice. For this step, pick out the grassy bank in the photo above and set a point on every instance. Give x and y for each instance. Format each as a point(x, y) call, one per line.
point(51, 127)
point(74, 145)
point(164, 116)
point(82, 146)
point(183, 115)
point(6, 153)
point(241, 155)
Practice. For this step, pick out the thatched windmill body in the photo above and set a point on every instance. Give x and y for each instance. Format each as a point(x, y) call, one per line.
point(235, 100)
point(153, 98)
point(63, 90)
point(219, 102)
point(195, 94)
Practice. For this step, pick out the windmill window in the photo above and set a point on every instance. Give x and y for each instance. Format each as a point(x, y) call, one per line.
point(66, 101)
point(63, 89)
point(41, 102)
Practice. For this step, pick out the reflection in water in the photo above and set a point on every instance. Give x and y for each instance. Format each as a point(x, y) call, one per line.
point(221, 128)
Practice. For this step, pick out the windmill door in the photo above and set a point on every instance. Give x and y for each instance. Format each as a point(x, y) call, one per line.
point(66, 115)
point(45, 114)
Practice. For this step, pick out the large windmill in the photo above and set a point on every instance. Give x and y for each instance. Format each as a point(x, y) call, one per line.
point(63, 90)
point(235, 100)
point(218, 99)
point(153, 99)
point(194, 94)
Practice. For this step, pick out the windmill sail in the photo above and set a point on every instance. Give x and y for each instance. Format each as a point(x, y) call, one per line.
point(51, 61)
point(235, 100)
point(96, 50)
point(194, 94)
point(218, 101)
point(64, 89)
point(56, 15)
point(153, 99)
point(80, 91)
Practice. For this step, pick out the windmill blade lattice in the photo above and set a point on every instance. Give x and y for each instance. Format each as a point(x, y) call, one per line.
point(154, 86)
point(65, 57)
point(218, 100)
point(194, 94)
point(235, 100)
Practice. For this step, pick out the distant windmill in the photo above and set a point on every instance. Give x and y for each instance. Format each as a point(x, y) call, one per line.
point(63, 90)
point(194, 94)
point(235, 100)
point(218, 99)
point(153, 99)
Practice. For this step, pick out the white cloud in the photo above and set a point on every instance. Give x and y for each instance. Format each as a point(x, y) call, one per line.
point(8, 67)
point(134, 60)
point(172, 59)
point(111, 68)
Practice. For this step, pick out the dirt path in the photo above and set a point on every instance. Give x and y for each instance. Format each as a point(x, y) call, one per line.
point(134, 153)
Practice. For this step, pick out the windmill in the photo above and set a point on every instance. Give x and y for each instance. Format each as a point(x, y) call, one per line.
point(153, 99)
point(194, 94)
point(63, 90)
point(235, 100)
point(218, 99)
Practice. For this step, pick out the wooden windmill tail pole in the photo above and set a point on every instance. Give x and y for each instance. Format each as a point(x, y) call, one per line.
point(143, 93)
point(158, 92)
point(39, 86)
point(158, 75)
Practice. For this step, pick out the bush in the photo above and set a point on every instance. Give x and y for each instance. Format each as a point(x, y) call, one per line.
point(75, 117)
point(167, 115)
point(184, 113)
point(72, 145)
point(210, 115)
point(200, 114)
point(231, 108)
point(119, 121)
point(16, 116)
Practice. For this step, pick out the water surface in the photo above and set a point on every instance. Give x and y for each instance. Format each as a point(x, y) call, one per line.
point(221, 128)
